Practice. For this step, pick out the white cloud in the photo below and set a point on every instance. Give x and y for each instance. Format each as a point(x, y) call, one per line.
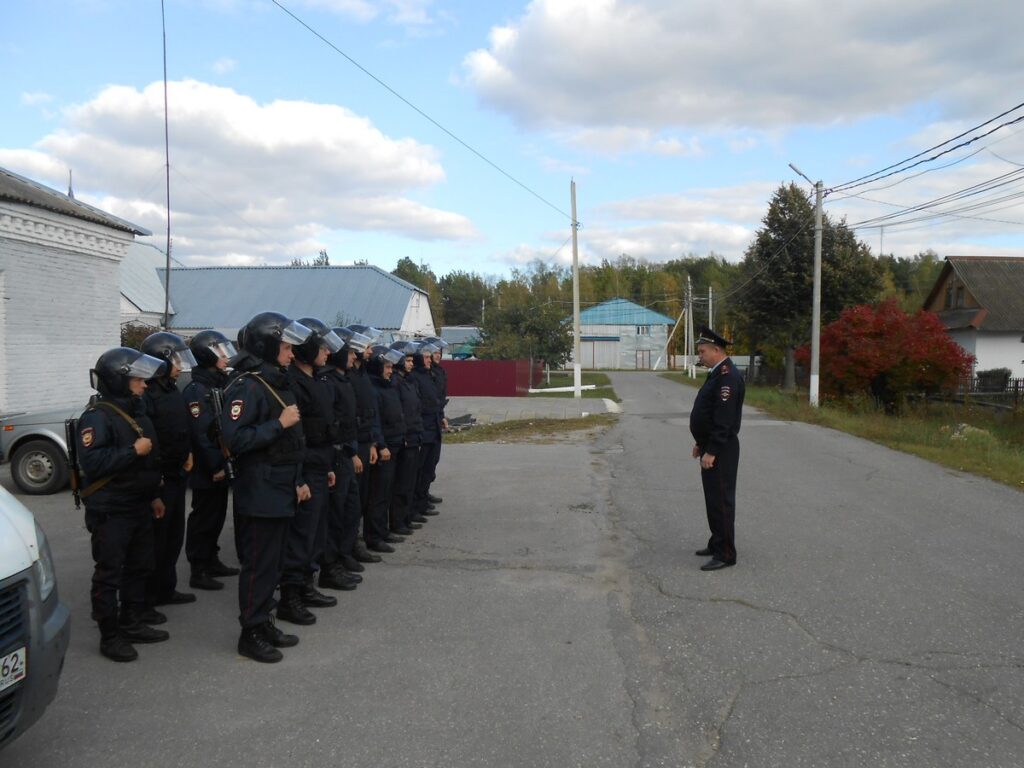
point(224, 65)
point(621, 139)
point(654, 64)
point(34, 98)
point(249, 180)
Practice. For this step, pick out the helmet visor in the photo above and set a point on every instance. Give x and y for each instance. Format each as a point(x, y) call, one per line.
point(184, 360)
point(295, 333)
point(359, 342)
point(404, 347)
point(426, 348)
point(224, 350)
point(143, 367)
point(392, 356)
point(375, 335)
point(332, 341)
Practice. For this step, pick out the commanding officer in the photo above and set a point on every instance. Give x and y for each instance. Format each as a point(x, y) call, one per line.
point(380, 366)
point(408, 460)
point(715, 425)
point(166, 407)
point(316, 404)
point(208, 479)
point(120, 461)
point(263, 430)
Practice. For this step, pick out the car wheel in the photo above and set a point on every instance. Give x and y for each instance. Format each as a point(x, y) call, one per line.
point(39, 467)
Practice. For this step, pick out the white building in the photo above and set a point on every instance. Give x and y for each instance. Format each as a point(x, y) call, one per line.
point(619, 334)
point(980, 300)
point(59, 261)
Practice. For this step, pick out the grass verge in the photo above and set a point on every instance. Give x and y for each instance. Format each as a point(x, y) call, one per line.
point(967, 438)
point(564, 379)
point(535, 430)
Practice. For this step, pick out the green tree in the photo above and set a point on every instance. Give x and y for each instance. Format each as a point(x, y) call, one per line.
point(523, 331)
point(778, 272)
point(464, 295)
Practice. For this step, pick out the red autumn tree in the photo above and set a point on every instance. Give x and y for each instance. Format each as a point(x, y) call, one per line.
point(886, 353)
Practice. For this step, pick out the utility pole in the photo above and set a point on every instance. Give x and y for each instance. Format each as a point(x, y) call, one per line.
point(819, 195)
point(167, 182)
point(577, 375)
point(711, 313)
point(483, 310)
point(691, 364)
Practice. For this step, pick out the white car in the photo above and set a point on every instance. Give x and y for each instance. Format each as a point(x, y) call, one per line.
point(35, 626)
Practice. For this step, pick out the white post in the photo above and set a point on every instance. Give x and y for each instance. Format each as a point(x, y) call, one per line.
point(816, 310)
point(577, 375)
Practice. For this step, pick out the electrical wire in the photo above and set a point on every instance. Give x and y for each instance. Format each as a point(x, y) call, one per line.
point(421, 113)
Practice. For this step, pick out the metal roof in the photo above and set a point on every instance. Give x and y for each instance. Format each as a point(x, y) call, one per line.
point(622, 312)
point(227, 297)
point(18, 189)
point(142, 281)
point(460, 334)
point(995, 282)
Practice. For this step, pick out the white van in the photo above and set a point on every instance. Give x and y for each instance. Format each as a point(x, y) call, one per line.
point(35, 625)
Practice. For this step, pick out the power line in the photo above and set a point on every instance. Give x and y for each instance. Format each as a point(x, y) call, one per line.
point(423, 114)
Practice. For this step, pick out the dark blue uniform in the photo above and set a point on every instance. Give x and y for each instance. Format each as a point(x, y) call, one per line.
point(382, 475)
point(345, 512)
point(269, 464)
point(209, 496)
point(166, 407)
point(431, 412)
point(119, 516)
point(367, 432)
point(408, 461)
point(715, 425)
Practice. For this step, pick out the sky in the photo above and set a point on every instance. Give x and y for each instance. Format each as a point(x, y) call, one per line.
point(449, 131)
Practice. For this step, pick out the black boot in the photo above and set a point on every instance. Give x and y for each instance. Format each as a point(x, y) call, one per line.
point(334, 577)
point(201, 579)
point(363, 555)
point(291, 609)
point(309, 596)
point(216, 568)
point(413, 525)
point(434, 499)
point(393, 538)
point(380, 546)
point(134, 631)
point(401, 530)
point(276, 637)
point(113, 644)
point(152, 617)
point(254, 644)
point(349, 563)
point(417, 518)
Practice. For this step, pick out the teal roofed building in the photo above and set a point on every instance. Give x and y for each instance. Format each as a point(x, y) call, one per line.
point(623, 335)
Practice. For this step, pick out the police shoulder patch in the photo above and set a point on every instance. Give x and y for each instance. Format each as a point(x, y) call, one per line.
point(725, 393)
point(724, 369)
point(88, 435)
point(236, 409)
point(194, 409)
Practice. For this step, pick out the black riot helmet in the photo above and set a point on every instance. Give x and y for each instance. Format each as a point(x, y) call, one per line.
point(321, 336)
point(171, 348)
point(422, 348)
point(379, 355)
point(375, 335)
point(354, 339)
point(263, 335)
point(210, 346)
point(115, 366)
point(438, 342)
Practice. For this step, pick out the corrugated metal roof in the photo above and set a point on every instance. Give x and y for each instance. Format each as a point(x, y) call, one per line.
point(227, 297)
point(997, 283)
point(18, 189)
point(622, 312)
point(460, 334)
point(141, 277)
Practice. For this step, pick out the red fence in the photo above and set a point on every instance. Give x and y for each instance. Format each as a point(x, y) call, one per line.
point(491, 378)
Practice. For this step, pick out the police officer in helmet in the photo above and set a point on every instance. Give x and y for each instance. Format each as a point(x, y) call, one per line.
point(120, 460)
point(262, 427)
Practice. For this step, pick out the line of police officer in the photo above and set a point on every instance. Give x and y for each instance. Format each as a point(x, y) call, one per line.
point(318, 432)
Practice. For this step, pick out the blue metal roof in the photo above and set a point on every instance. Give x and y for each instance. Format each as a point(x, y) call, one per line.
point(227, 297)
point(142, 281)
point(622, 312)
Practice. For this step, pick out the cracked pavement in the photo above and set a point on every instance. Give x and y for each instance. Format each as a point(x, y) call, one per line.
point(553, 614)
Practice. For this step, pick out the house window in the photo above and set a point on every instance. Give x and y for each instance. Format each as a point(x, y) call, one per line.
point(959, 296)
point(949, 295)
point(643, 330)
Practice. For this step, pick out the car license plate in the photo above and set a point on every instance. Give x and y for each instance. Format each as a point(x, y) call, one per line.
point(12, 668)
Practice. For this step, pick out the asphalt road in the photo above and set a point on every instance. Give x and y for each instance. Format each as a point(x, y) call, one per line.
point(554, 615)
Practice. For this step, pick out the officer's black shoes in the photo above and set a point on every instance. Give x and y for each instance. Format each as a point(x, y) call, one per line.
point(253, 644)
point(310, 597)
point(363, 555)
point(434, 499)
point(430, 512)
point(291, 609)
point(113, 645)
point(152, 616)
point(417, 518)
point(336, 578)
point(391, 538)
point(216, 568)
point(203, 580)
point(413, 525)
point(349, 563)
point(175, 598)
point(380, 546)
point(401, 530)
point(715, 565)
point(706, 552)
point(276, 637)
point(142, 633)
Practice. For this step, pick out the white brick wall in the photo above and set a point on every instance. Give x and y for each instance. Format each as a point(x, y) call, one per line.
point(61, 304)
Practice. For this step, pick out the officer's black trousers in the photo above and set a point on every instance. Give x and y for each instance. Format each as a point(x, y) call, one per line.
point(260, 542)
point(205, 523)
point(429, 455)
point(300, 549)
point(720, 499)
point(363, 480)
point(122, 549)
point(344, 514)
point(382, 477)
point(406, 465)
point(168, 537)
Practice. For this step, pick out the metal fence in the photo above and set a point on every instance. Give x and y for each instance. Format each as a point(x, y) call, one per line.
point(997, 391)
